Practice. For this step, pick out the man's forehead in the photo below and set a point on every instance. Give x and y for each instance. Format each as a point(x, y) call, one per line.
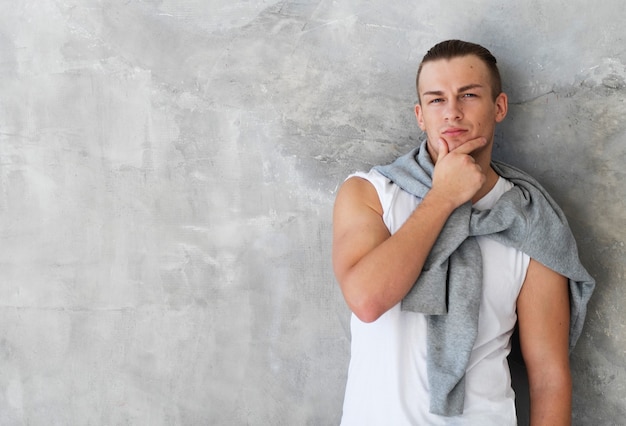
point(470, 61)
point(459, 72)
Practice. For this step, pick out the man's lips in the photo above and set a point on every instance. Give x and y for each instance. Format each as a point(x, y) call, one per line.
point(454, 132)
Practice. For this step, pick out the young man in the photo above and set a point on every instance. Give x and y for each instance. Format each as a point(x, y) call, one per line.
point(441, 253)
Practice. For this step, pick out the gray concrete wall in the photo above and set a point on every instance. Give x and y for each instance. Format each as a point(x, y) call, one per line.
point(167, 174)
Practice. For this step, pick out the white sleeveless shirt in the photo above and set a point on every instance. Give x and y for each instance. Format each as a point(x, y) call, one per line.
point(387, 378)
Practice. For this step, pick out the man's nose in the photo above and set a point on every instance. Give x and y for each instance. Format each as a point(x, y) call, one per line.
point(454, 111)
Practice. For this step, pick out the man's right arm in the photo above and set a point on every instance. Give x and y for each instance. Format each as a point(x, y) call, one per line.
point(375, 270)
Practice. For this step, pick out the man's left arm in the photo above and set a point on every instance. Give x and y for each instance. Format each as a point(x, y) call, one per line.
point(543, 318)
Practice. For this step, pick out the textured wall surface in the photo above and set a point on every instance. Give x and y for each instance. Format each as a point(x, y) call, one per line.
point(167, 175)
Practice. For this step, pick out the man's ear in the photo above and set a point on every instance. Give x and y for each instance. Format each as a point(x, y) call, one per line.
point(502, 106)
point(419, 117)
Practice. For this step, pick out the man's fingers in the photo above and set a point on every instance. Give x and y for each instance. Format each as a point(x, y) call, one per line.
point(443, 149)
point(469, 146)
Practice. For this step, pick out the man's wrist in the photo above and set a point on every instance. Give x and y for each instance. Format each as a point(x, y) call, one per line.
point(440, 201)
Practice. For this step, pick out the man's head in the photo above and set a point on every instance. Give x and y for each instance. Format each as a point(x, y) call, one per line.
point(460, 97)
point(450, 49)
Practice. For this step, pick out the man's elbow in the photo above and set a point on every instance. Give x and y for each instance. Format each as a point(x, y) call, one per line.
point(364, 301)
point(366, 309)
point(366, 316)
point(553, 380)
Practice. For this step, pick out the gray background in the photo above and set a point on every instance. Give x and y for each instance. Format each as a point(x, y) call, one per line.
point(167, 175)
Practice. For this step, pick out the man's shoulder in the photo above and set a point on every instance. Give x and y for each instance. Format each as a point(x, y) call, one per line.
point(358, 192)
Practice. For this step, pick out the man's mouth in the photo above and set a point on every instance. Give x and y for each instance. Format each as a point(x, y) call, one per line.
point(454, 132)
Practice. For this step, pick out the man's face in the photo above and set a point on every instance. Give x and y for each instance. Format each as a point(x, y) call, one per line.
point(456, 104)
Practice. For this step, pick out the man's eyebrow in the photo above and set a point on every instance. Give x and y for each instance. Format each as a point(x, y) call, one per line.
point(433, 93)
point(470, 87)
point(461, 89)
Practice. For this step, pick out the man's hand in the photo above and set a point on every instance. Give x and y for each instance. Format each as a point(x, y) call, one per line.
point(457, 177)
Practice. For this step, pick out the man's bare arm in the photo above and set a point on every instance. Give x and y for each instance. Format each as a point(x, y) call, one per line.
point(543, 315)
point(376, 270)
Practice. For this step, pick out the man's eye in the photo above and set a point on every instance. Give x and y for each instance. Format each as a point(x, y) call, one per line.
point(436, 101)
point(469, 95)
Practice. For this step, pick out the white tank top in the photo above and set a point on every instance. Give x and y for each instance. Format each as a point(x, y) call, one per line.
point(387, 378)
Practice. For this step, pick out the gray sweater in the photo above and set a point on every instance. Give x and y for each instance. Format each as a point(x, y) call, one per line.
point(449, 287)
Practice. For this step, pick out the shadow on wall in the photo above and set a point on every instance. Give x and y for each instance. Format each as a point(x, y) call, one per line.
point(519, 381)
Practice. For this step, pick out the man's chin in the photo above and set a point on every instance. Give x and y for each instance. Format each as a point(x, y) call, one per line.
point(456, 143)
point(476, 153)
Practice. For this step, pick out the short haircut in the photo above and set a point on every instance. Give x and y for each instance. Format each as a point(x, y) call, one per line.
point(450, 49)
